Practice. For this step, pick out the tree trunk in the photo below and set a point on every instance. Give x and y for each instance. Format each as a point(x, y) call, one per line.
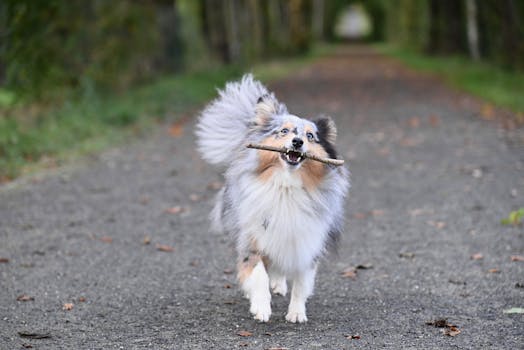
point(472, 29)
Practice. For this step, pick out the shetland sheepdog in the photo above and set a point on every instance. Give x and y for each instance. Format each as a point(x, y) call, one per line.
point(285, 211)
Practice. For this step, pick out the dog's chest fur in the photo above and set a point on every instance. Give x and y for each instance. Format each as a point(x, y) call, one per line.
point(284, 220)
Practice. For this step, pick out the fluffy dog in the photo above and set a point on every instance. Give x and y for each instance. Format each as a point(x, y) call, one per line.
point(285, 211)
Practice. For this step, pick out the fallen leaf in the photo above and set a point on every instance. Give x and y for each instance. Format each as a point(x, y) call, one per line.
point(175, 210)
point(176, 129)
point(106, 239)
point(451, 331)
point(349, 273)
point(517, 258)
point(164, 248)
point(34, 335)
point(414, 122)
point(244, 333)
point(4, 260)
point(439, 323)
point(495, 270)
point(437, 224)
point(377, 212)
point(355, 336)
point(146, 240)
point(514, 310)
point(214, 185)
point(487, 111)
point(434, 120)
point(81, 300)
point(407, 255)
point(67, 306)
point(24, 297)
point(366, 266)
point(194, 197)
point(360, 216)
point(477, 256)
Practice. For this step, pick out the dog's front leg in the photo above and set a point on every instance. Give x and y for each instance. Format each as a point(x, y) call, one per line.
point(303, 285)
point(254, 280)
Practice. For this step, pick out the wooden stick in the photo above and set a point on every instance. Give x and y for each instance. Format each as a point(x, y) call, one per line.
point(329, 161)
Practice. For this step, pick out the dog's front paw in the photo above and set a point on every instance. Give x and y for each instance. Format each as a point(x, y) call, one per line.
point(261, 310)
point(295, 317)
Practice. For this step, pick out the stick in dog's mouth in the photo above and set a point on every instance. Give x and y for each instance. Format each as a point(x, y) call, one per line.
point(296, 157)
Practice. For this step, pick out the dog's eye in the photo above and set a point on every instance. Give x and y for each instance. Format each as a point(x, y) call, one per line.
point(310, 137)
point(284, 131)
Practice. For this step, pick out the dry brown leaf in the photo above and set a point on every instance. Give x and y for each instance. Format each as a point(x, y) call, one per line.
point(214, 185)
point(67, 306)
point(81, 300)
point(164, 248)
point(437, 224)
point(176, 129)
point(477, 256)
point(487, 112)
point(354, 336)
point(4, 260)
point(349, 273)
point(194, 197)
point(146, 240)
point(517, 258)
point(244, 333)
point(414, 122)
point(451, 331)
point(106, 239)
point(175, 210)
point(434, 120)
point(360, 216)
point(24, 297)
point(495, 270)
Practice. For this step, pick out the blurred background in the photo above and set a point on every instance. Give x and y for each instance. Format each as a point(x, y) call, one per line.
point(74, 74)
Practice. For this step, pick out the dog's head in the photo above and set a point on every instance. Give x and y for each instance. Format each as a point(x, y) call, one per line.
point(276, 127)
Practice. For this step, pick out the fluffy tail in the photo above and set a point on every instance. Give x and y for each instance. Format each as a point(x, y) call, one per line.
point(225, 122)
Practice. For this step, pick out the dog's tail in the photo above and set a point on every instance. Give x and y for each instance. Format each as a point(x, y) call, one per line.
point(225, 123)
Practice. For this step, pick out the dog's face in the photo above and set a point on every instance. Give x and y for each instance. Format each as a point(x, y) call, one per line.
point(281, 129)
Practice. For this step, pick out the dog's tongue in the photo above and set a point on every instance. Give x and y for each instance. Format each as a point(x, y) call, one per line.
point(293, 156)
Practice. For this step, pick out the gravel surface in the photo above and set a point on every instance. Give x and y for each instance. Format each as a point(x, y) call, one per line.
point(431, 180)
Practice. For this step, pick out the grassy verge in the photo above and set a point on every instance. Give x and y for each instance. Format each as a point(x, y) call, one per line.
point(493, 84)
point(32, 137)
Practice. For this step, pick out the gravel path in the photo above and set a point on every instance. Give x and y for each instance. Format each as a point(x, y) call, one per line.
point(431, 181)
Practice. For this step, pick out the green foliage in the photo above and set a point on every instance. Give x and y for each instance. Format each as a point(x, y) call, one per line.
point(514, 218)
point(94, 121)
point(482, 79)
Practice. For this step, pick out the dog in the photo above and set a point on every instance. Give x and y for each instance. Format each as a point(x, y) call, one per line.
point(284, 210)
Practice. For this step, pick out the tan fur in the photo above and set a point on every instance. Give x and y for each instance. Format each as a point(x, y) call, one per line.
point(264, 110)
point(247, 264)
point(312, 172)
point(269, 161)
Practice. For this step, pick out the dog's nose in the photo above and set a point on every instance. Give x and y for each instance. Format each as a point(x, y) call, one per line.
point(297, 143)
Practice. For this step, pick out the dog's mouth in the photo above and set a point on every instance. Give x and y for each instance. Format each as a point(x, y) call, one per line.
point(293, 157)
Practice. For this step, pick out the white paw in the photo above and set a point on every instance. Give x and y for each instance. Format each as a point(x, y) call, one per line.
point(279, 286)
point(261, 310)
point(295, 317)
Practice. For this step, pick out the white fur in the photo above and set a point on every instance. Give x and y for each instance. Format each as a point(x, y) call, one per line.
point(256, 287)
point(290, 224)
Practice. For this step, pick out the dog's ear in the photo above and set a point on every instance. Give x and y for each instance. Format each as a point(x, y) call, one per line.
point(267, 106)
point(327, 130)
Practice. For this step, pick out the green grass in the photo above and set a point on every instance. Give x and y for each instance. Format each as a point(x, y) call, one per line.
point(493, 84)
point(93, 122)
